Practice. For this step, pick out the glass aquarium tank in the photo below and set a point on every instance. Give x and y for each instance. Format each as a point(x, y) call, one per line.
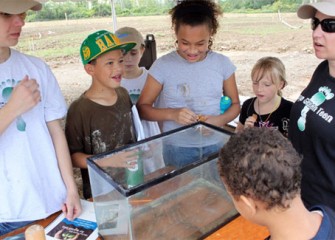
point(172, 191)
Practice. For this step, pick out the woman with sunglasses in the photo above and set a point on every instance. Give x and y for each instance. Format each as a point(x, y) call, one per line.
point(312, 123)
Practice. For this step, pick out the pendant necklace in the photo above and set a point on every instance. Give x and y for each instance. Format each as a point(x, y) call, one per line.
point(259, 113)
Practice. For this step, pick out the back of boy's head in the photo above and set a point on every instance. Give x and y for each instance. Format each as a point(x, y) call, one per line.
point(101, 42)
point(262, 164)
point(272, 66)
point(129, 34)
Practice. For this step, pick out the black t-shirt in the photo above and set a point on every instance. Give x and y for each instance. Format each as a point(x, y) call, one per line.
point(312, 133)
point(279, 119)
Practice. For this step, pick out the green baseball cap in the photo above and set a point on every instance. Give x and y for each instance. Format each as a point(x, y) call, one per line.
point(101, 42)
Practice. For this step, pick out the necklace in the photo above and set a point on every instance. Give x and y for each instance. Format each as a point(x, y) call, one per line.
point(267, 119)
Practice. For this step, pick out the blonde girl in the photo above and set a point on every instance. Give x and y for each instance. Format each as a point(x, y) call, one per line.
point(268, 108)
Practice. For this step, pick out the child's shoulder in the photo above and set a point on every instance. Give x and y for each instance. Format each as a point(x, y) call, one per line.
point(29, 61)
point(80, 102)
point(17, 54)
point(121, 91)
point(218, 56)
point(123, 95)
point(248, 101)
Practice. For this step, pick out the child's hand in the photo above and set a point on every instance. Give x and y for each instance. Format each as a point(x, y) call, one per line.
point(250, 121)
point(184, 116)
point(126, 159)
point(72, 207)
point(24, 96)
point(202, 118)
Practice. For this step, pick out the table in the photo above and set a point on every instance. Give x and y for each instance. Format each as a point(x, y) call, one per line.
point(238, 229)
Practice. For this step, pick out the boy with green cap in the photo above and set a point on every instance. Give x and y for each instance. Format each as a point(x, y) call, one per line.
point(100, 119)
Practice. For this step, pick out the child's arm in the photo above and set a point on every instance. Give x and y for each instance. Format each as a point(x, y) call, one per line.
point(230, 90)
point(146, 110)
point(79, 159)
point(23, 97)
point(122, 159)
point(72, 208)
point(249, 122)
point(239, 127)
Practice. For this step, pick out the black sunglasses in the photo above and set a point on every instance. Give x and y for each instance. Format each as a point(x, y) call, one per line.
point(327, 25)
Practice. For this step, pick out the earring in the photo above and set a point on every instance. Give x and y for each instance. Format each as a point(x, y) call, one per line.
point(210, 43)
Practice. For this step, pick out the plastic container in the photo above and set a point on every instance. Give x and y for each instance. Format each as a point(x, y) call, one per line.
point(135, 176)
point(225, 103)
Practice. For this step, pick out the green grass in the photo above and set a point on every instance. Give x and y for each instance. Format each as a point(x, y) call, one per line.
point(53, 46)
point(55, 52)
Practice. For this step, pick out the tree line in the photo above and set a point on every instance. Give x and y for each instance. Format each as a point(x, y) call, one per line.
point(75, 9)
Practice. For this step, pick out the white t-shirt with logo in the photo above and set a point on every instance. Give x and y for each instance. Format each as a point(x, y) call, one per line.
point(134, 87)
point(31, 184)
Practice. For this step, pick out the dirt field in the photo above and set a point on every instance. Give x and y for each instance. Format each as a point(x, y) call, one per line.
point(244, 38)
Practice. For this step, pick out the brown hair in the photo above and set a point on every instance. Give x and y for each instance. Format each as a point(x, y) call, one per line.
point(272, 66)
point(194, 13)
point(262, 164)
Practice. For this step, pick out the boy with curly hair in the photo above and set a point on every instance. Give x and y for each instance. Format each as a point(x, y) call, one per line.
point(261, 172)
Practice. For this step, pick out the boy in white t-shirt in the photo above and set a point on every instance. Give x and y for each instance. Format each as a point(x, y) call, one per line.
point(134, 76)
point(35, 167)
point(133, 79)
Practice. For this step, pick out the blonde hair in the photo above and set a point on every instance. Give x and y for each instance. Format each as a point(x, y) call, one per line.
point(272, 66)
